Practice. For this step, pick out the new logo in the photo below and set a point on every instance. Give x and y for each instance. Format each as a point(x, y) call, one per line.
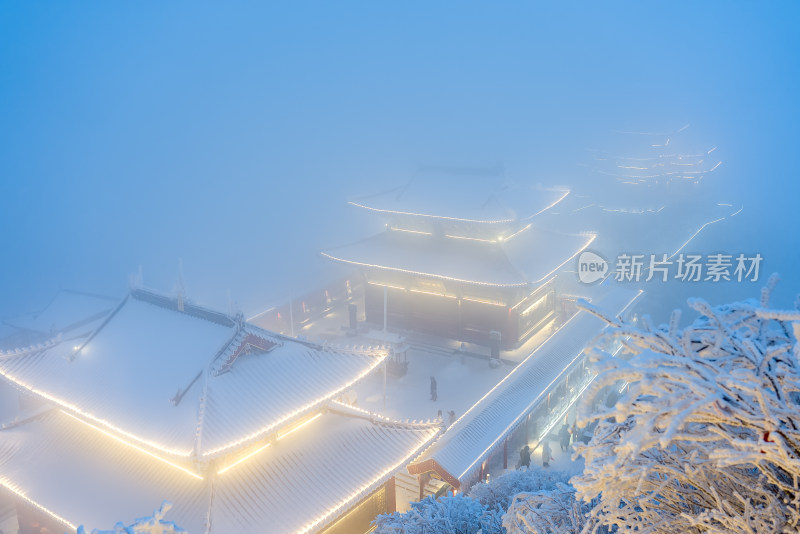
point(591, 267)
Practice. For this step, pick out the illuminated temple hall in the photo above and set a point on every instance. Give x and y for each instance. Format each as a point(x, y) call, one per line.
point(462, 257)
point(234, 425)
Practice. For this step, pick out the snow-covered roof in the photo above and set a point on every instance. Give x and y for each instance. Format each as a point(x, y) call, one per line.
point(298, 484)
point(630, 228)
point(68, 311)
point(193, 384)
point(466, 443)
point(530, 257)
point(459, 197)
point(654, 157)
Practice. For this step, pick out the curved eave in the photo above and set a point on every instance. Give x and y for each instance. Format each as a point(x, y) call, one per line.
point(365, 204)
point(276, 425)
point(430, 215)
point(169, 454)
point(432, 466)
point(424, 274)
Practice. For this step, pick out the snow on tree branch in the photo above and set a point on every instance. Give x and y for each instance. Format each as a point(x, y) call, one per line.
point(155, 524)
point(445, 515)
point(479, 512)
point(706, 437)
point(546, 512)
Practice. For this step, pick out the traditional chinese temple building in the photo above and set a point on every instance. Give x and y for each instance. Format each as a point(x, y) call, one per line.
point(238, 427)
point(462, 257)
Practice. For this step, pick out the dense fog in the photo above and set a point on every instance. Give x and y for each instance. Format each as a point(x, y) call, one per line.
point(228, 139)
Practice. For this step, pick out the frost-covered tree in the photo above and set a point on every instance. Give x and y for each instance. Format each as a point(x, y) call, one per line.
point(481, 510)
point(155, 524)
point(706, 437)
point(501, 490)
point(555, 511)
point(445, 515)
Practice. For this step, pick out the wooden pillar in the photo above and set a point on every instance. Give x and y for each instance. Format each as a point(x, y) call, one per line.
point(391, 496)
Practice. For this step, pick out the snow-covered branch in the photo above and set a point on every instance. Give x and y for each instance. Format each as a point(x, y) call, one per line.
point(706, 437)
point(155, 524)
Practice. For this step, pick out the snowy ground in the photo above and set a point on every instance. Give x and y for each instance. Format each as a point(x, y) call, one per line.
point(461, 381)
point(562, 460)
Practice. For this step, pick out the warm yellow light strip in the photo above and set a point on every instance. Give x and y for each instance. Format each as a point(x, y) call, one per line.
point(695, 235)
point(272, 426)
point(256, 451)
point(390, 286)
point(518, 304)
point(484, 301)
point(129, 444)
point(548, 275)
point(444, 217)
point(445, 295)
point(243, 458)
point(365, 412)
point(298, 427)
point(419, 273)
point(479, 239)
point(21, 494)
point(431, 216)
point(75, 409)
point(559, 199)
point(185, 453)
point(535, 303)
point(338, 507)
point(584, 207)
point(515, 234)
point(396, 229)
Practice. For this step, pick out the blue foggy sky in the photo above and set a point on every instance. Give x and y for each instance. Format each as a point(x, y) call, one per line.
point(230, 136)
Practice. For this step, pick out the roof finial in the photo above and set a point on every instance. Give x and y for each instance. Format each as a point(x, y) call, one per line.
point(135, 280)
point(180, 289)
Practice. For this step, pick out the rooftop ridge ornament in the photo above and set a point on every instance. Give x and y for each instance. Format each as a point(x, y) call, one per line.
point(247, 344)
point(159, 299)
point(21, 351)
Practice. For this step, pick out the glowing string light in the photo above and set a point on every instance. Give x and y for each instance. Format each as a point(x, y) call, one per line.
point(243, 458)
point(298, 427)
point(420, 273)
point(406, 230)
point(131, 445)
point(186, 453)
point(340, 506)
point(309, 406)
point(21, 494)
point(468, 238)
point(76, 410)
